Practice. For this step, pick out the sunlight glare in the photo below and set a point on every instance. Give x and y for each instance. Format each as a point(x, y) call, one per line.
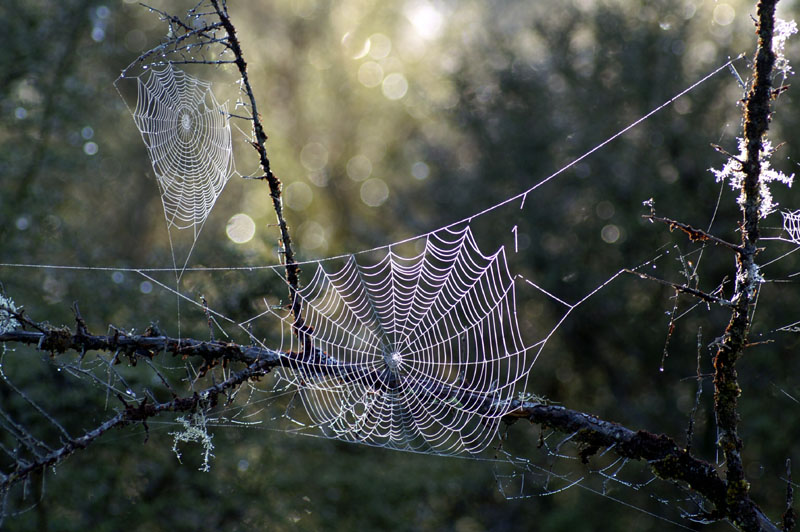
point(425, 18)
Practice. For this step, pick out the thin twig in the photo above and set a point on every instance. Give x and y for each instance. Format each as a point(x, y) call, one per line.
point(699, 294)
point(695, 235)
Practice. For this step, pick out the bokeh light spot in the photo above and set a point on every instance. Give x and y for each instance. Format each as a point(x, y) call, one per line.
point(314, 156)
point(395, 86)
point(420, 170)
point(724, 14)
point(425, 18)
point(370, 74)
point(380, 46)
point(610, 234)
point(313, 236)
point(605, 210)
point(298, 196)
point(359, 168)
point(241, 228)
point(353, 47)
point(90, 148)
point(374, 192)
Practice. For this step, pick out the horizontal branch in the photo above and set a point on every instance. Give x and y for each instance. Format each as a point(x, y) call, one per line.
point(60, 340)
point(666, 458)
point(132, 413)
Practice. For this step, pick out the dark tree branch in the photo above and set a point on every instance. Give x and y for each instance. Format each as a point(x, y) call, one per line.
point(790, 515)
point(742, 511)
point(292, 269)
point(666, 458)
point(131, 413)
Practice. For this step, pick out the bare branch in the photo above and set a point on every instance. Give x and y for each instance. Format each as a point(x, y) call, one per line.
point(695, 235)
point(292, 269)
point(665, 457)
point(734, 340)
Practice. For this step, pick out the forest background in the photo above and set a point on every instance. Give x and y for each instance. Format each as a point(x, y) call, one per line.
point(487, 100)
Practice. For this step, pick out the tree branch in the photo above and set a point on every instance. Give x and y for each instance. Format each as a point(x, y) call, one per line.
point(734, 340)
point(292, 269)
point(666, 458)
point(132, 413)
point(699, 294)
point(695, 235)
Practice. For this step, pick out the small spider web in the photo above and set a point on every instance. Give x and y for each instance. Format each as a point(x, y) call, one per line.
point(188, 139)
point(419, 353)
point(791, 224)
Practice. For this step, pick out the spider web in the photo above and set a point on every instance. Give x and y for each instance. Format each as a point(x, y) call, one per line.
point(188, 139)
point(420, 353)
point(791, 224)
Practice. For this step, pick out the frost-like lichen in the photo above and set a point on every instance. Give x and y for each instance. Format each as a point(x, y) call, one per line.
point(733, 171)
point(734, 174)
point(195, 429)
point(7, 310)
point(783, 30)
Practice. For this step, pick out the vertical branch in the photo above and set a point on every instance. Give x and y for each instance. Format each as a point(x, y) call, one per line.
point(292, 269)
point(789, 516)
point(726, 386)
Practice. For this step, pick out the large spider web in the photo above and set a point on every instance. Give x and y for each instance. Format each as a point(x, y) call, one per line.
point(188, 139)
point(419, 353)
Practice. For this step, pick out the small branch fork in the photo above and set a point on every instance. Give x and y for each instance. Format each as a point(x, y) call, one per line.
point(699, 294)
point(292, 269)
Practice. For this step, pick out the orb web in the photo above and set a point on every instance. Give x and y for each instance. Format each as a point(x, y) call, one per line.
point(188, 138)
point(419, 353)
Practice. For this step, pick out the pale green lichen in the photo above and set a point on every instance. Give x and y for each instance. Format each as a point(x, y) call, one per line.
point(195, 429)
point(7, 310)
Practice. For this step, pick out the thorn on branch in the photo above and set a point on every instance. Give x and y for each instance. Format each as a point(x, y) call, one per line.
point(80, 324)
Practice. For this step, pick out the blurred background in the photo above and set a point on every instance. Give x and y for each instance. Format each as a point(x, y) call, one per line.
point(388, 120)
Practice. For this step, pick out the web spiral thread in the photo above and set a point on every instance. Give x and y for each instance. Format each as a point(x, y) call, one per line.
point(418, 353)
point(188, 137)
